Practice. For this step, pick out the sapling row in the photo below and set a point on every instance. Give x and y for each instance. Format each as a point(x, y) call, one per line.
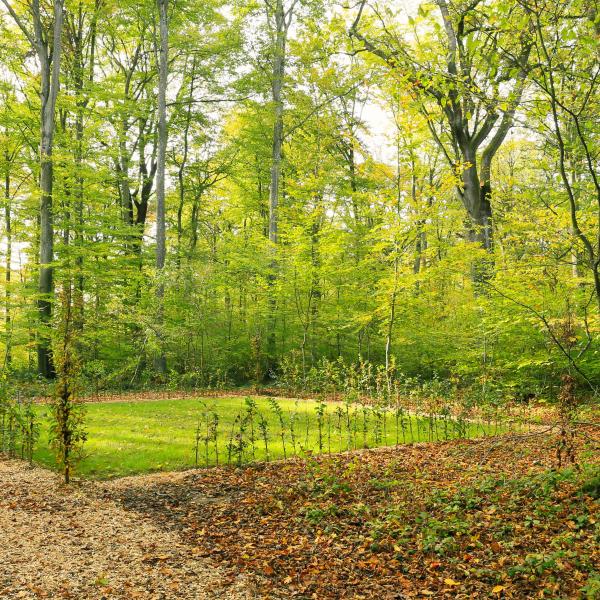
point(255, 434)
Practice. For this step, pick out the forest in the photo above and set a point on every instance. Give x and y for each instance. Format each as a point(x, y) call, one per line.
point(300, 298)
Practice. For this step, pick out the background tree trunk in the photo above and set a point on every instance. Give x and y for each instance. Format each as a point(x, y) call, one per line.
point(282, 22)
point(8, 263)
point(161, 361)
point(50, 80)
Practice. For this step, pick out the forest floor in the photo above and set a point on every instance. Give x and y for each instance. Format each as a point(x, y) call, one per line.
point(462, 519)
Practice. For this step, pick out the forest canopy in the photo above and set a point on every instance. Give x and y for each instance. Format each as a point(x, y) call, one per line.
point(223, 192)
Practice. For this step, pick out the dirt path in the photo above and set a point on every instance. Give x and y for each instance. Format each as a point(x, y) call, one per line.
point(76, 543)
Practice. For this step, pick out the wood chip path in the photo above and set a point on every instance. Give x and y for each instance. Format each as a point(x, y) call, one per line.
point(76, 543)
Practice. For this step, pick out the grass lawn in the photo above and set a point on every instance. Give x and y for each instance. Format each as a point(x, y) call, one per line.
point(125, 438)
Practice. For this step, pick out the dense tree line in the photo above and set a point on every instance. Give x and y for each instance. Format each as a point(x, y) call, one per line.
point(213, 191)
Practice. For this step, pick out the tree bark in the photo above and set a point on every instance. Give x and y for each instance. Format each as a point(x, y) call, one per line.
point(82, 72)
point(183, 163)
point(475, 194)
point(50, 80)
point(161, 361)
point(7, 291)
point(282, 22)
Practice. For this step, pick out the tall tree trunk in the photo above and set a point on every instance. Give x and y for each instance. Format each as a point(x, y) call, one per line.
point(122, 168)
point(475, 194)
point(81, 104)
point(575, 185)
point(50, 80)
point(183, 163)
point(392, 315)
point(315, 259)
point(161, 361)
point(78, 302)
point(194, 218)
point(7, 290)
point(276, 156)
point(282, 22)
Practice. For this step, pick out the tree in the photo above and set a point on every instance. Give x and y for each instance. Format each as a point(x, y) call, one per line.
point(473, 113)
point(46, 41)
point(569, 83)
point(283, 19)
point(161, 249)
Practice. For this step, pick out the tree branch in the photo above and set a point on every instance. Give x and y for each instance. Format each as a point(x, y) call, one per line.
point(19, 23)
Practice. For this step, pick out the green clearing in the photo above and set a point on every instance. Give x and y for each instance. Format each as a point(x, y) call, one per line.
point(126, 438)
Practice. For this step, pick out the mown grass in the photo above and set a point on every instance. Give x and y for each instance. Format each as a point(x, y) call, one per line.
point(126, 438)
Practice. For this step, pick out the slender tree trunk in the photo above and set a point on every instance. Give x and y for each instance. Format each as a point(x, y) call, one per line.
point(575, 185)
point(281, 28)
point(161, 362)
point(421, 240)
point(7, 290)
point(183, 163)
point(81, 104)
point(316, 294)
point(276, 155)
point(50, 80)
point(78, 318)
point(122, 166)
point(194, 224)
point(315, 257)
point(392, 317)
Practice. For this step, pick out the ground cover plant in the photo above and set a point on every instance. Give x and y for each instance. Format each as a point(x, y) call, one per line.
point(135, 437)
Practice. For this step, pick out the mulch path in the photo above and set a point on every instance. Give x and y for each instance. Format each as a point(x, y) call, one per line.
point(58, 542)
